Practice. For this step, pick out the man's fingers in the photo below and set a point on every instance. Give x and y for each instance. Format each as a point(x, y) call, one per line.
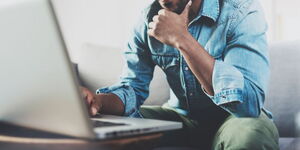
point(151, 25)
point(90, 98)
point(87, 96)
point(83, 92)
point(94, 108)
point(185, 12)
point(151, 32)
point(162, 12)
point(155, 18)
point(93, 111)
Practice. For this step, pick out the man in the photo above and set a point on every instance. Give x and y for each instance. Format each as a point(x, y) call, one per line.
point(214, 53)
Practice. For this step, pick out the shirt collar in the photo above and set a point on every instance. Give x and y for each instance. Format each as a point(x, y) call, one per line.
point(210, 9)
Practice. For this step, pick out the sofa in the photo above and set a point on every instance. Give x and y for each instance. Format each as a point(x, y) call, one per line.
point(283, 95)
point(100, 66)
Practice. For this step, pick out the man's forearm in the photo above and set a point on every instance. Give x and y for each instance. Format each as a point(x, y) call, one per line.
point(198, 60)
point(111, 104)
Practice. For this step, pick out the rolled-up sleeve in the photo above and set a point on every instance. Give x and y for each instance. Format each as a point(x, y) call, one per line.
point(240, 77)
point(133, 87)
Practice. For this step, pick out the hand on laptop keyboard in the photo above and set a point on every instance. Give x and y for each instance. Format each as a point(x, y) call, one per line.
point(94, 104)
point(102, 103)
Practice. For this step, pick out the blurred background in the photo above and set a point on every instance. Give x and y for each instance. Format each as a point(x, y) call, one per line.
point(109, 22)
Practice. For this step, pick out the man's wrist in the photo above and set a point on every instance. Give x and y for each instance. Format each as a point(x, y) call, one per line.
point(183, 42)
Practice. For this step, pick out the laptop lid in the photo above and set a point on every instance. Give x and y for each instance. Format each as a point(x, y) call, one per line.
point(37, 81)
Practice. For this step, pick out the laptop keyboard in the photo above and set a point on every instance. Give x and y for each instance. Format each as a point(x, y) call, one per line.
point(97, 123)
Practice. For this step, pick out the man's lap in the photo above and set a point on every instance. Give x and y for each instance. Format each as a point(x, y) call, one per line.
point(218, 130)
point(195, 133)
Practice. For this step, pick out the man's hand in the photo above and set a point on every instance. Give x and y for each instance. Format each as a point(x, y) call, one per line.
point(104, 103)
point(169, 27)
point(93, 101)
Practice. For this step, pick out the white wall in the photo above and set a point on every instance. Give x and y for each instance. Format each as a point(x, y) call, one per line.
point(268, 9)
point(287, 19)
point(108, 22)
point(100, 22)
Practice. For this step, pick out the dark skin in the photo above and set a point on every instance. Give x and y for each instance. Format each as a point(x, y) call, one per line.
point(169, 26)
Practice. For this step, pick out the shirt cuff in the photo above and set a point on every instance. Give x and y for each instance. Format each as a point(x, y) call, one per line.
point(226, 96)
point(228, 84)
point(126, 95)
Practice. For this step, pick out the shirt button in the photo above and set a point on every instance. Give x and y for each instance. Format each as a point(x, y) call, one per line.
point(186, 68)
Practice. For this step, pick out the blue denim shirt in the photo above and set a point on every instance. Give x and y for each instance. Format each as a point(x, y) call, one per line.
point(231, 31)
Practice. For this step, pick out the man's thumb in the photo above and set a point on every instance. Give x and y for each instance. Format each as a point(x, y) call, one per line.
point(186, 10)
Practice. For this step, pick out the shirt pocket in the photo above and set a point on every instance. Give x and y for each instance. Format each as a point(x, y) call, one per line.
point(166, 57)
point(166, 62)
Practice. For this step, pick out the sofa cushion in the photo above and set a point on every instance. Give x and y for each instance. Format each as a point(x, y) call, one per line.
point(283, 97)
point(286, 143)
point(100, 66)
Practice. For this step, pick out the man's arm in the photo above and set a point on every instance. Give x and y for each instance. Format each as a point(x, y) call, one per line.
point(104, 103)
point(198, 60)
point(125, 97)
point(111, 104)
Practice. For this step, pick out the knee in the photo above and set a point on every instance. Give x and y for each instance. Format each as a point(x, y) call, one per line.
point(248, 140)
point(250, 134)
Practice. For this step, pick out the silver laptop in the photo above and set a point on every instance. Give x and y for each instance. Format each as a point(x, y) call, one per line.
point(38, 87)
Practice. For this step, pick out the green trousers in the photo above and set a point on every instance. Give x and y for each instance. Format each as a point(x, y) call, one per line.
point(217, 130)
